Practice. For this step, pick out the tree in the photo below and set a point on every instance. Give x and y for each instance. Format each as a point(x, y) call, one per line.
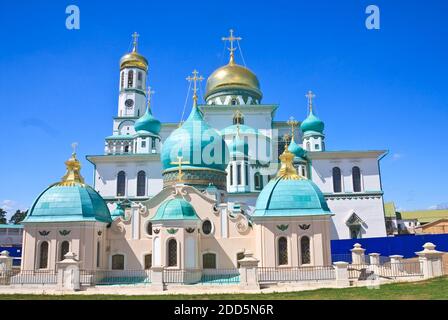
point(18, 217)
point(2, 216)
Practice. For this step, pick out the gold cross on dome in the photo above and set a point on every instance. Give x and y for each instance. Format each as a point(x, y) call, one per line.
point(135, 36)
point(293, 123)
point(149, 94)
point(231, 39)
point(310, 95)
point(179, 162)
point(195, 80)
point(74, 146)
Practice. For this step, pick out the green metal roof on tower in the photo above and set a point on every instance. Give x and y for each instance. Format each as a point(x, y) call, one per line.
point(175, 209)
point(312, 123)
point(147, 122)
point(70, 200)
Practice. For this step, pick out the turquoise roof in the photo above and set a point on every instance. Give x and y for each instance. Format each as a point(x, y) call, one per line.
point(118, 211)
point(194, 140)
point(312, 123)
point(175, 209)
point(77, 202)
point(297, 150)
point(238, 146)
point(290, 198)
point(11, 226)
point(147, 122)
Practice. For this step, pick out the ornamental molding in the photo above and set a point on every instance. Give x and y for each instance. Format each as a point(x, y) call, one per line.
point(44, 233)
point(304, 226)
point(190, 230)
point(172, 230)
point(64, 232)
point(282, 227)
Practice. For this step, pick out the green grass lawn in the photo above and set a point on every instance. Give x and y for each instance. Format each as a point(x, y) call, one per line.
point(432, 289)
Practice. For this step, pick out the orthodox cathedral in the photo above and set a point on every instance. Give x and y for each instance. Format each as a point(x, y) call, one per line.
point(202, 192)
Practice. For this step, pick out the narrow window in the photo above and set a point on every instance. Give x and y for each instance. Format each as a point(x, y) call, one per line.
point(126, 149)
point(231, 174)
point(140, 80)
point(308, 146)
point(65, 247)
point(98, 254)
point(238, 174)
point(246, 173)
point(337, 182)
point(148, 261)
point(153, 144)
point(356, 175)
point(209, 261)
point(172, 253)
point(118, 262)
point(149, 228)
point(258, 180)
point(141, 184)
point(305, 250)
point(143, 144)
point(43, 255)
point(130, 79)
point(121, 183)
point(122, 80)
point(282, 251)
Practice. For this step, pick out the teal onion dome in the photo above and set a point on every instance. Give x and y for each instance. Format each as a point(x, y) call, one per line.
point(70, 200)
point(199, 145)
point(175, 209)
point(312, 123)
point(147, 123)
point(297, 150)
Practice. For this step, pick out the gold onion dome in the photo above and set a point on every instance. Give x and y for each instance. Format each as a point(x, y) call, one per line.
point(134, 59)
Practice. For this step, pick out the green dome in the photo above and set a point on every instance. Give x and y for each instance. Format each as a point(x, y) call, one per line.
point(312, 123)
point(175, 209)
point(197, 143)
point(239, 146)
point(148, 123)
point(290, 198)
point(297, 150)
point(67, 203)
point(118, 211)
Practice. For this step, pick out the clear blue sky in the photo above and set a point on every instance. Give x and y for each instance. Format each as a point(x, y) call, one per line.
point(383, 89)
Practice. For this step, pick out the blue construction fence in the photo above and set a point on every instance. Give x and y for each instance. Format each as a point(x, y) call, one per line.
point(405, 245)
point(15, 252)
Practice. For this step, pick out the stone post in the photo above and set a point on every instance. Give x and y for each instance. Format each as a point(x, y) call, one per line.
point(396, 263)
point(341, 271)
point(374, 259)
point(358, 254)
point(5, 263)
point(431, 261)
point(157, 281)
point(68, 273)
point(249, 272)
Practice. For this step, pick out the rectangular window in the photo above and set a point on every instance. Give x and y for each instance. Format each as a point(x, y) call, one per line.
point(316, 146)
point(231, 175)
point(246, 174)
point(143, 144)
point(238, 174)
point(153, 144)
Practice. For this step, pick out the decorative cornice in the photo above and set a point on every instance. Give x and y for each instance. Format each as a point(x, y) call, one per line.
point(352, 196)
point(64, 232)
point(282, 227)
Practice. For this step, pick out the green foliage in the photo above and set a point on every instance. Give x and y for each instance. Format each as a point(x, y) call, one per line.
point(18, 217)
point(2, 216)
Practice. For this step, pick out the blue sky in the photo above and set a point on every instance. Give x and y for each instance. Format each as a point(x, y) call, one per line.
point(376, 89)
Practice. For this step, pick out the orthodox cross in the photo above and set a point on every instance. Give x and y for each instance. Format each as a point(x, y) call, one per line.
point(231, 39)
point(74, 146)
point(135, 36)
point(310, 95)
point(286, 138)
point(293, 123)
point(179, 162)
point(238, 116)
point(195, 80)
point(149, 94)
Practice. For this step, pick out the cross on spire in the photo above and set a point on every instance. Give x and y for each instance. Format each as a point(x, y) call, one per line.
point(135, 36)
point(74, 146)
point(195, 80)
point(293, 123)
point(149, 94)
point(238, 116)
point(179, 162)
point(231, 39)
point(310, 95)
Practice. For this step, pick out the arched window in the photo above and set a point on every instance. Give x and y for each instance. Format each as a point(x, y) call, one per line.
point(141, 184)
point(122, 80)
point(239, 256)
point(337, 182)
point(140, 80)
point(246, 173)
point(231, 174)
point(238, 117)
point(308, 146)
point(98, 254)
point(149, 228)
point(65, 247)
point(209, 261)
point(148, 261)
point(356, 175)
point(43, 255)
point(323, 146)
point(118, 262)
point(305, 250)
point(121, 184)
point(172, 253)
point(130, 79)
point(238, 174)
point(258, 181)
point(282, 251)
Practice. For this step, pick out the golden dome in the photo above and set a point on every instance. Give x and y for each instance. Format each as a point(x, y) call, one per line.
point(134, 60)
point(233, 76)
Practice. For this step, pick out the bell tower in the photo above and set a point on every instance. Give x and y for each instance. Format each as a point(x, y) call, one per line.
point(133, 74)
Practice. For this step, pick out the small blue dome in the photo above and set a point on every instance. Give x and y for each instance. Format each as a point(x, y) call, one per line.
point(175, 209)
point(67, 203)
point(297, 150)
point(312, 123)
point(289, 198)
point(148, 123)
point(197, 143)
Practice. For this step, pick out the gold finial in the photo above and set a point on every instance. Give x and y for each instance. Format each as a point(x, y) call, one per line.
point(293, 123)
point(195, 80)
point(287, 170)
point(73, 174)
point(149, 94)
point(286, 139)
point(179, 162)
point(135, 36)
point(310, 95)
point(231, 39)
point(238, 118)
